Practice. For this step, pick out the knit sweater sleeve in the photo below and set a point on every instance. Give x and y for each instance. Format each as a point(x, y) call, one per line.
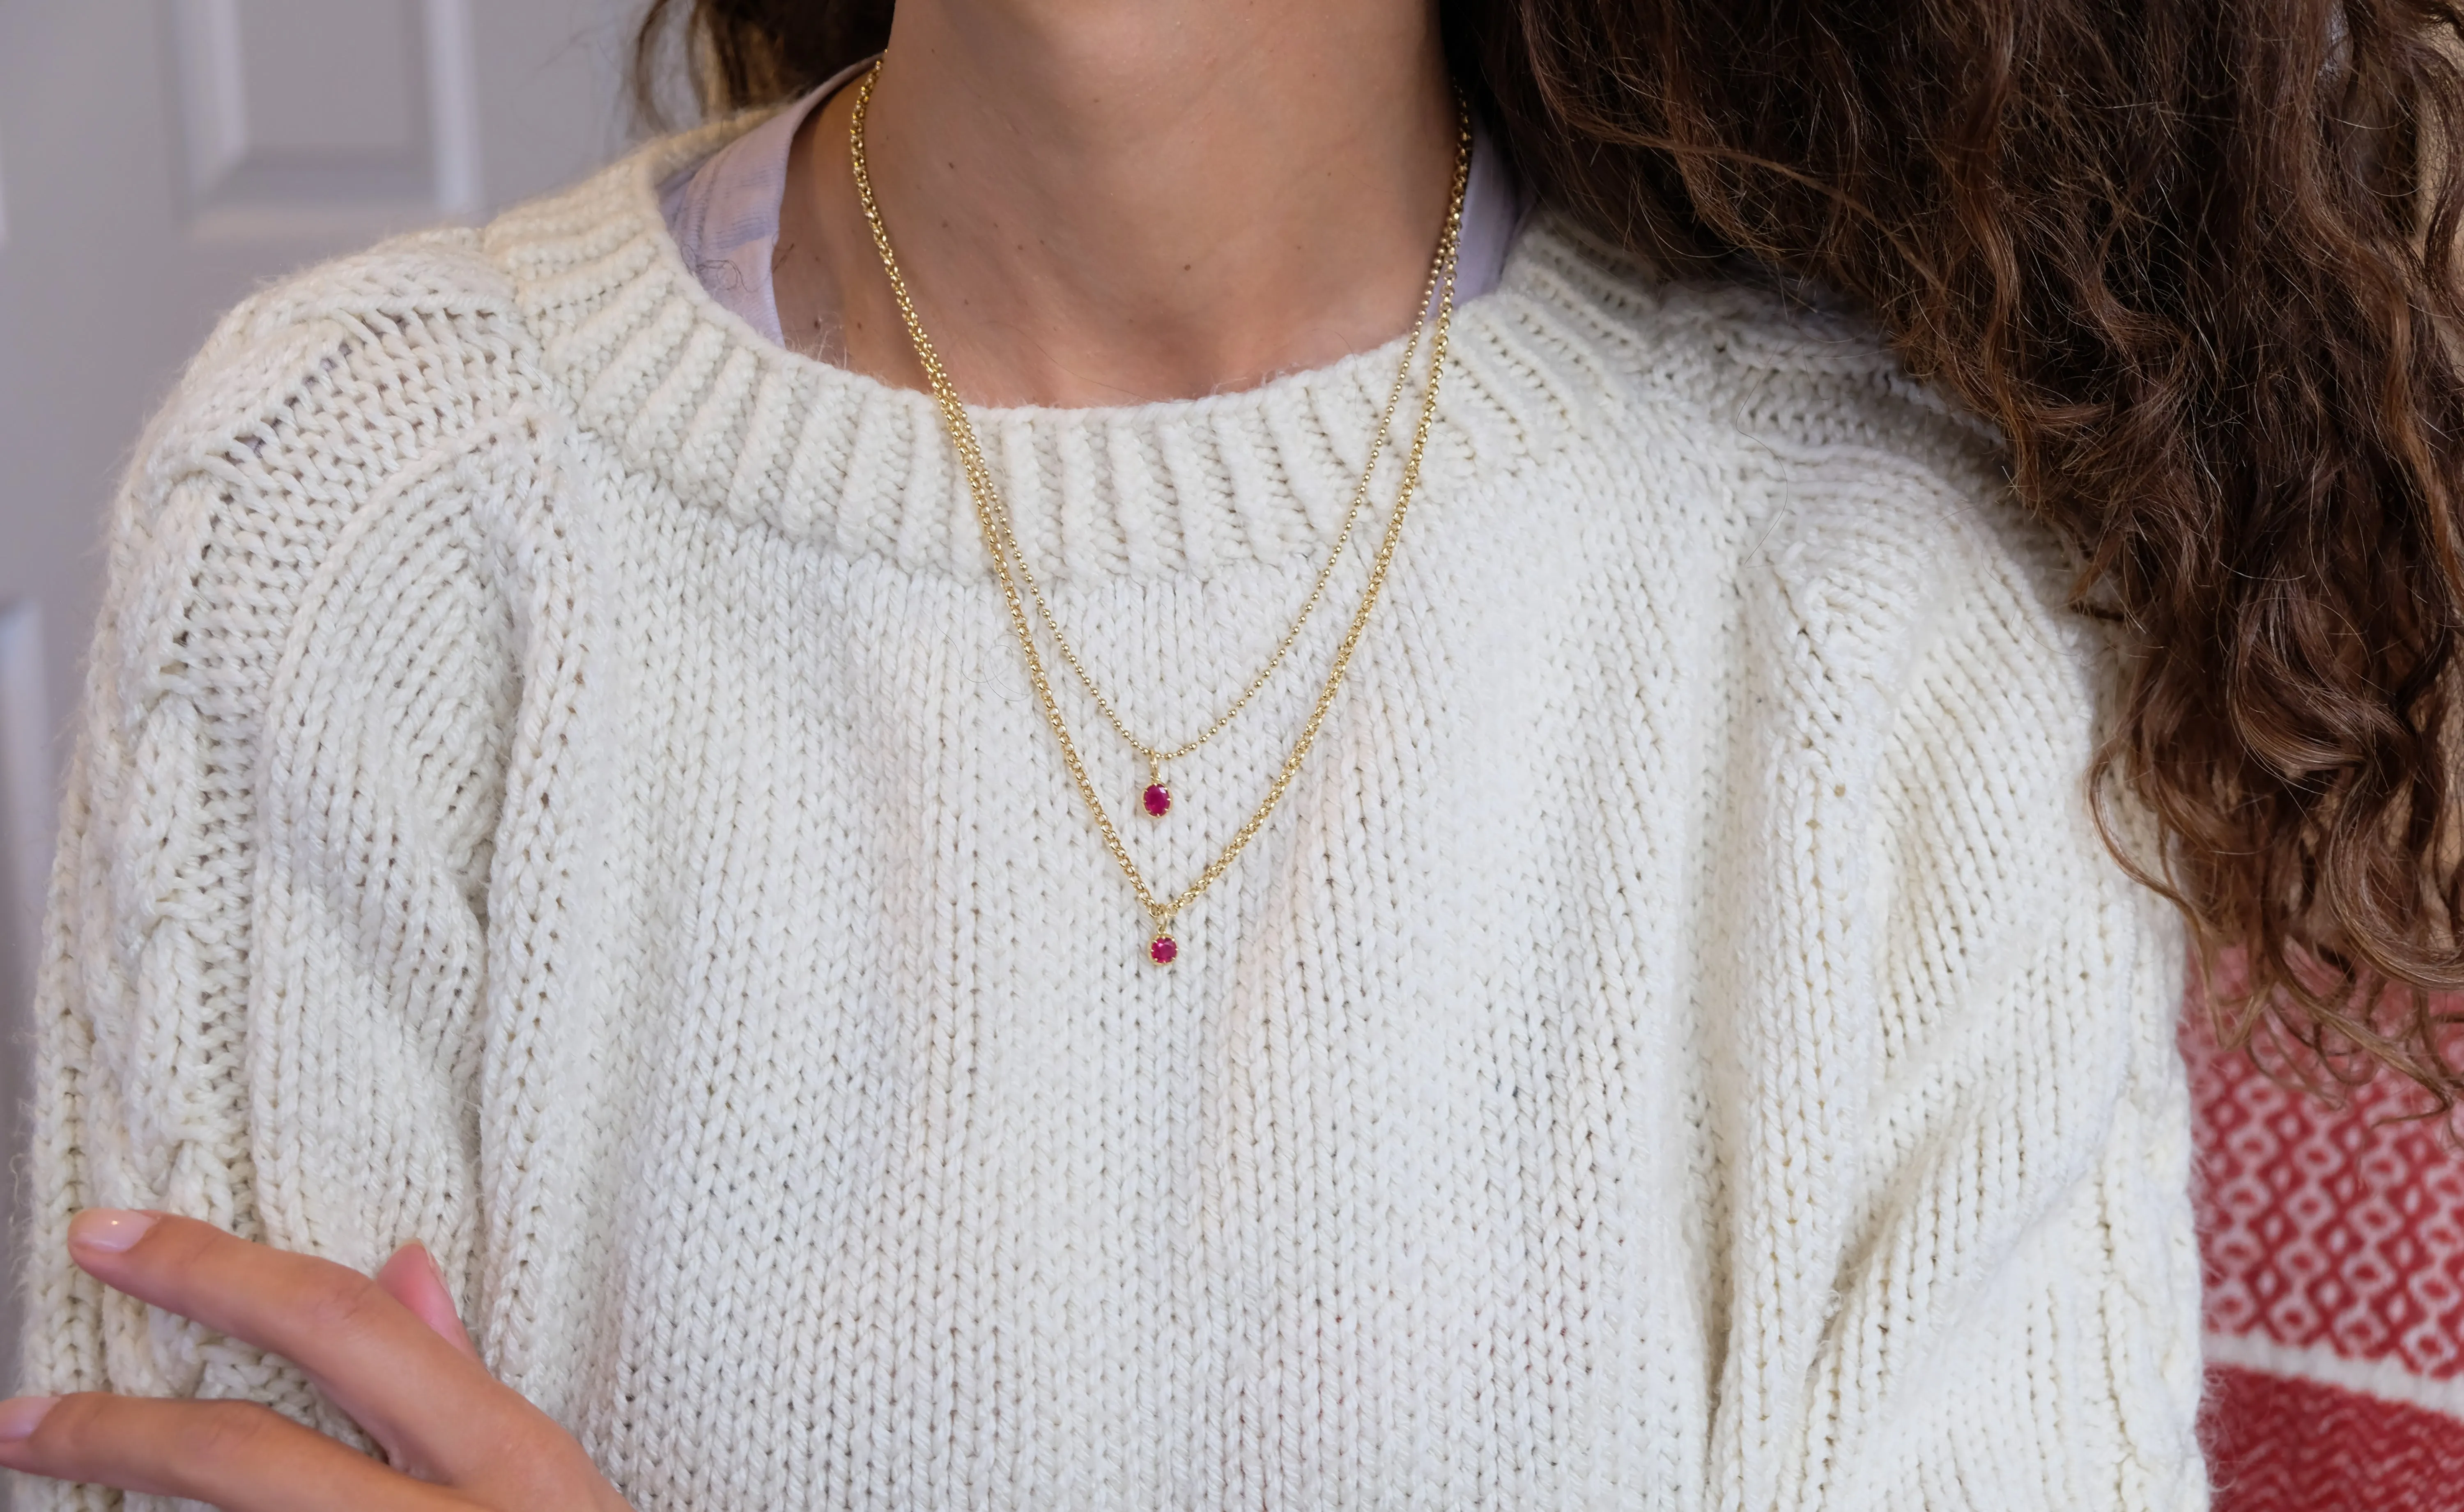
point(1961, 1239)
point(276, 831)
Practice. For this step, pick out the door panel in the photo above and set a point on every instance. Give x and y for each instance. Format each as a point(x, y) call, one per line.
point(270, 126)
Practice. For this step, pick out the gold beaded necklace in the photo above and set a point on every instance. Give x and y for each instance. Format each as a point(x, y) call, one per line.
point(1010, 566)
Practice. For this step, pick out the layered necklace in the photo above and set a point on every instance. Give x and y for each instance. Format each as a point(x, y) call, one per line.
point(1011, 569)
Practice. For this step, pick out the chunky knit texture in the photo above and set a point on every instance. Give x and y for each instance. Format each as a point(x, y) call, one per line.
point(556, 785)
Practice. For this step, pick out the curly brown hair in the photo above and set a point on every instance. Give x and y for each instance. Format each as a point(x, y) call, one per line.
point(2196, 260)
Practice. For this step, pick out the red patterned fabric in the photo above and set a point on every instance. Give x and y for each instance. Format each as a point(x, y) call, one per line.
point(2286, 1445)
point(2334, 1243)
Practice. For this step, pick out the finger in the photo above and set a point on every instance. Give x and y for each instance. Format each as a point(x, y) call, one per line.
point(412, 1279)
point(236, 1455)
point(437, 1410)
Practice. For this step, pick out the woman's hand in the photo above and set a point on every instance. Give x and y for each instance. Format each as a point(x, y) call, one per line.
point(389, 1351)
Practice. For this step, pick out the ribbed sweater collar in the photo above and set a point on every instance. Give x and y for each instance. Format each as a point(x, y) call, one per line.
point(688, 393)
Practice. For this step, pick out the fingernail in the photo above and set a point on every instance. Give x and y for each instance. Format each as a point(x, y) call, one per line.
point(108, 1228)
point(20, 1415)
point(434, 1269)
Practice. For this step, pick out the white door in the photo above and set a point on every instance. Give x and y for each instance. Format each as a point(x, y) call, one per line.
point(157, 158)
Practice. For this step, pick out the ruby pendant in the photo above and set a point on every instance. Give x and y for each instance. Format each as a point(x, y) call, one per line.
point(1161, 949)
point(1159, 799)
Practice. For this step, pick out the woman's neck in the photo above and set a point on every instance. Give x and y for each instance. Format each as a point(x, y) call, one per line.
point(1104, 202)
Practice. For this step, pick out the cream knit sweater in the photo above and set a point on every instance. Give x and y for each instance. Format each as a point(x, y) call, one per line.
point(556, 785)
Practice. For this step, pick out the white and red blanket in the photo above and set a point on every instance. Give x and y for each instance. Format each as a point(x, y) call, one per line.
point(2333, 1242)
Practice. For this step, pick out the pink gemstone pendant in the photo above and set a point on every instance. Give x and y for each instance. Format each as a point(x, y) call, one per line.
point(1159, 799)
point(1161, 949)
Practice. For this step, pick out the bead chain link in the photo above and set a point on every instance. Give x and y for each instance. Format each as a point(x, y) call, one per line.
point(1000, 543)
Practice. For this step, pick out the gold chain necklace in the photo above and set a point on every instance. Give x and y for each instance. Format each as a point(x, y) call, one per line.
point(1010, 566)
point(1158, 798)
